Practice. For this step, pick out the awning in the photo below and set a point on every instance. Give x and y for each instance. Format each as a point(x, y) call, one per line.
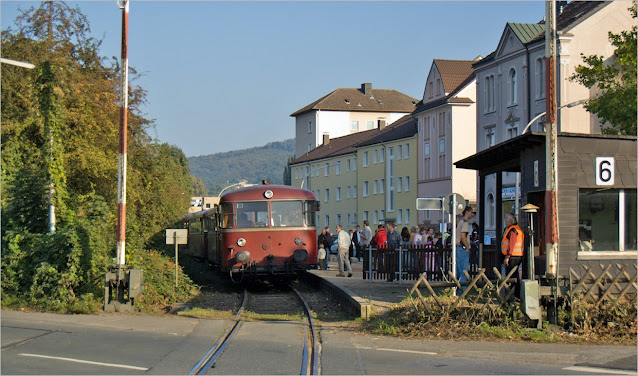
point(502, 157)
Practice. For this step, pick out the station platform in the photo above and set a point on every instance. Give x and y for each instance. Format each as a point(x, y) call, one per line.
point(363, 295)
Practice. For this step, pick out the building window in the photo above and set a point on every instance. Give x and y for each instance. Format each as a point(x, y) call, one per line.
point(309, 147)
point(354, 218)
point(399, 151)
point(375, 217)
point(406, 219)
point(296, 173)
point(354, 126)
point(512, 130)
point(369, 124)
point(366, 215)
point(399, 183)
point(364, 163)
point(407, 184)
point(441, 124)
point(430, 89)
point(426, 160)
point(326, 169)
point(348, 192)
point(489, 94)
point(426, 128)
point(375, 185)
point(442, 158)
point(607, 220)
point(382, 186)
point(327, 219)
point(438, 86)
point(326, 195)
point(354, 164)
point(511, 83)
point(338, 194)
point(375, 156)
point(382, 213)
point(338, 219)
point(348, 221)
point(309, 127)
point(539, 78)
point(400, 216)
point(338, 168)
point(365, 188)
point(382, 156)
point(354, 191)
point(406, 151)
point(489, 137)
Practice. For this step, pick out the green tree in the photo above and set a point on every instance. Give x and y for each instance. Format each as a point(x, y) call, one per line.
point(199, 188)
point(72, 100)
point(287, 178)
point(615, 80)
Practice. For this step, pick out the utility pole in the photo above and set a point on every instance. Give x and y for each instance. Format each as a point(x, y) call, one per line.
point(551, 187)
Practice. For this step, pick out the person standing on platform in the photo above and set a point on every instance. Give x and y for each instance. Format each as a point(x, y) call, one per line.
point(343, 241)
point(512, 247)
point(463, 246)
point(326, 240)
point(393, 237)
point(356, 242)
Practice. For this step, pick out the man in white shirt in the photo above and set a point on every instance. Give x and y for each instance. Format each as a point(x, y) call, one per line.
point(343, 242)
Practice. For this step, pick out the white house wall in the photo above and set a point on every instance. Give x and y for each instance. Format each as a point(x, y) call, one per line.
point(303, 138)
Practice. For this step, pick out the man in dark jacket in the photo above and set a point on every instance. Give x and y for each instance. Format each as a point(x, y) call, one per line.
point(325, 239)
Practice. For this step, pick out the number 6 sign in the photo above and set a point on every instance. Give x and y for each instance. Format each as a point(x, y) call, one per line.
point(605, 170)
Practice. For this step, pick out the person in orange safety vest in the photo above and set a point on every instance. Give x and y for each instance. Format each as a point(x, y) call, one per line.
point(512, 247)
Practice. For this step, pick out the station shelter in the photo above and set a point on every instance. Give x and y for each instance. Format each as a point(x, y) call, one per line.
point(595, 196)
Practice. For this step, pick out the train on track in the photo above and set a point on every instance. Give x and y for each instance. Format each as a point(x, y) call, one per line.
point(263, 231)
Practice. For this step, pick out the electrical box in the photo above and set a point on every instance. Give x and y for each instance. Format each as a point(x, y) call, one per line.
point(530, 297)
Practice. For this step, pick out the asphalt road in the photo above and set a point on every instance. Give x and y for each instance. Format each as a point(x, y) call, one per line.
point(35, 343)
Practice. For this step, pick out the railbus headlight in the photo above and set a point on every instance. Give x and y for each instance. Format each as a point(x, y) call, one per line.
point(298, 241)
point(241, 242)
point(242, 257)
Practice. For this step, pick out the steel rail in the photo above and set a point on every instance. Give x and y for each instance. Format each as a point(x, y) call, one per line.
point(216, 350)
point(314, 348)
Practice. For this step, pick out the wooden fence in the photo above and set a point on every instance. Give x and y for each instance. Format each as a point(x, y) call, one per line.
point(409, 263)
point(605, 286)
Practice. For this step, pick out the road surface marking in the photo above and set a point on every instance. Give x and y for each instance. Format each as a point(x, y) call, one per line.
point(395, 350)
point(600, 370)
point(87, 362)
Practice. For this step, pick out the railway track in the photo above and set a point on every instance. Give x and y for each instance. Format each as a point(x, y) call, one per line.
point(286, 302)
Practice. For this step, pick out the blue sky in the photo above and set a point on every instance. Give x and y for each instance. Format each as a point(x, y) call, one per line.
point(222, 76)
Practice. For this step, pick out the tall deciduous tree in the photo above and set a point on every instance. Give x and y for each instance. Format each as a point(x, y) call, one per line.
point(616, 82)
point(72, 100)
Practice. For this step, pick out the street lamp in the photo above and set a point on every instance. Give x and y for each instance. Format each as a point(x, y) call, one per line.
point(530, 209)
point(570, 105)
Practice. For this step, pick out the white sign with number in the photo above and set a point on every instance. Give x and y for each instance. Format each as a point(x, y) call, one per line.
point(605, 170)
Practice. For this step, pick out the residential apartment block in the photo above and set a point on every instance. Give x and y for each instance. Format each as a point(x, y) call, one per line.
point(447, 132)
point(345, 111)
point(511, 85)
point(366, 175)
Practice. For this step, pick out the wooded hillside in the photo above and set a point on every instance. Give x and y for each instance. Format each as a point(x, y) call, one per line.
point(254, 164)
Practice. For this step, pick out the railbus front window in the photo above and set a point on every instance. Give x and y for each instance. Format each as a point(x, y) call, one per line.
point(226, 215)
point(310, 210)
point(286, 213)
point(251, 214)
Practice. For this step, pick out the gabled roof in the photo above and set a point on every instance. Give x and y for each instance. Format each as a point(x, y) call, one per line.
point(454, 73)
point(402, 128)
point(527, 33)
point(351, 99)
point(337, 146)
point(405, 127)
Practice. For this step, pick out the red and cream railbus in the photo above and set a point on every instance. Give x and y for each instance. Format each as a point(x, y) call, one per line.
point(258, 231)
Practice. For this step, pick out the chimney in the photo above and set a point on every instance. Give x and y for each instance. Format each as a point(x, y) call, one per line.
point(381, 124)
point(366, 88)
point(326, 139)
